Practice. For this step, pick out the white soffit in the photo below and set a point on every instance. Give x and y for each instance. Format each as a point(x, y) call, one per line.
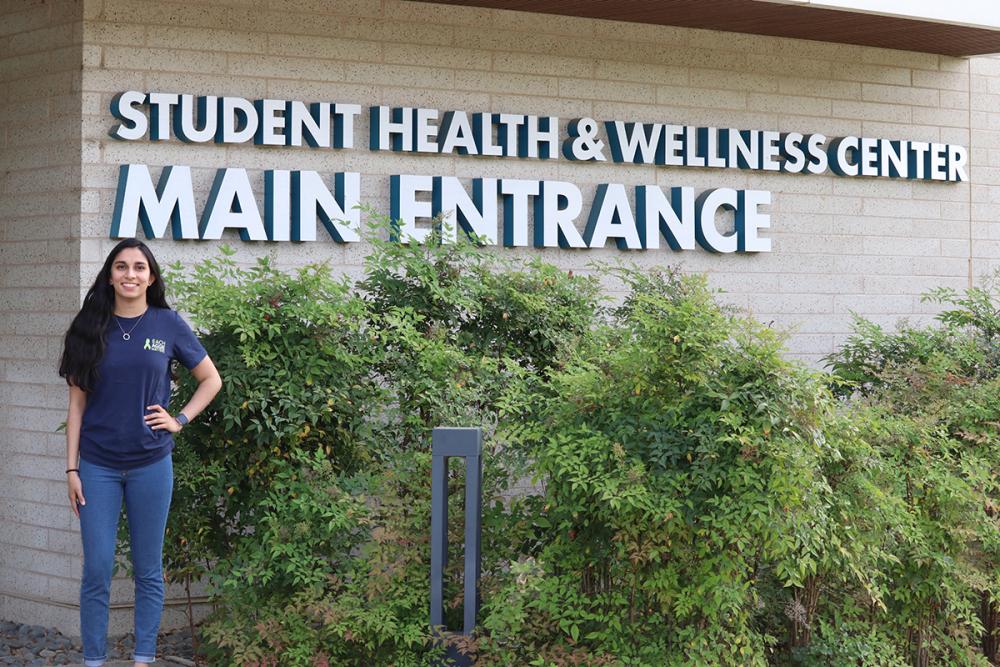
point(983, 14)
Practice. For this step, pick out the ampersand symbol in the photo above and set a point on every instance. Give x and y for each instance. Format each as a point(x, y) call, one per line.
point(583, 143)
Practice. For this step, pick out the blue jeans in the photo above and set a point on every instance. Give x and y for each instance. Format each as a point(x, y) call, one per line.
point(147, 492)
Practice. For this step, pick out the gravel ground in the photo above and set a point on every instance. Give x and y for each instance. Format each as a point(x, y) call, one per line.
point(25, 645)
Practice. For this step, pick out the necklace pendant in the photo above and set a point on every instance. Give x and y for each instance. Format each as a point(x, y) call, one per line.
point(126, 335)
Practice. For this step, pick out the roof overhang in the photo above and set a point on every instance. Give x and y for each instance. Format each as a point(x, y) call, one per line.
point(962, 28)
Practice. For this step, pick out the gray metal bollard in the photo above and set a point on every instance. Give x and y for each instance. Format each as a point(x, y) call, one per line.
point(468, 444)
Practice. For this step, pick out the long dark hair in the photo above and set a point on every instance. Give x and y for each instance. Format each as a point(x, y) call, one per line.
point(86, 340)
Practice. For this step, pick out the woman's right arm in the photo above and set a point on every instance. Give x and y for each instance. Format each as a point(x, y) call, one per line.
point(74, 419)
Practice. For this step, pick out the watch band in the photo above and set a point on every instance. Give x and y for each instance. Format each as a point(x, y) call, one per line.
point(181, 419)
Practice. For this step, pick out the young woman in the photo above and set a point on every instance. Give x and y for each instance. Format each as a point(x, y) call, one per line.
point(116, 360)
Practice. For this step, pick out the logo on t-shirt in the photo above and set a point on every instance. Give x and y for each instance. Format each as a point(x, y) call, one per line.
point(156, 345)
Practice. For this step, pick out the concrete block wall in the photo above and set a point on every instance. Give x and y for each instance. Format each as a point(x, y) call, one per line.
point(984, 202)
point(840, 245)
point(40, 126)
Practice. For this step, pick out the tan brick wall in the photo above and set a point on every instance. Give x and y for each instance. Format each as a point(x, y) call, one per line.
point(868, 245)
point(984, 116)
point(840, 245)
point(40, 118)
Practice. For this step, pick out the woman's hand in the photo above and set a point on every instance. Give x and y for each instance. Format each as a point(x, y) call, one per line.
point(75, 492)
point(161, 419)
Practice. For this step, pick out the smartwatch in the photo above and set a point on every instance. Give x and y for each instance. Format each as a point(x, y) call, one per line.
point(181, 419)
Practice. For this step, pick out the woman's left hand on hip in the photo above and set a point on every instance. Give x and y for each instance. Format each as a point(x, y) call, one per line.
point(158, 418)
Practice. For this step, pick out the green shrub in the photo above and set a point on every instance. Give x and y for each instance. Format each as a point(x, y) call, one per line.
point(329, 577)
point(683, 464)
point(935, 398)
point(661, 486)
point(434, 335)
point(292, 350)
point(966, 342)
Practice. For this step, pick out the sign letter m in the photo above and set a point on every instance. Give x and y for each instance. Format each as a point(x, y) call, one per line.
point(171, 201)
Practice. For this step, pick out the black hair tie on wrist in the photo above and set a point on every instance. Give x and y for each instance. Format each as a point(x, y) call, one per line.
point(72, 470)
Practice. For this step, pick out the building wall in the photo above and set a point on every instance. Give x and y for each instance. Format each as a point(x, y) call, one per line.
point(839, 244)
point(40, 199)
point(984, 199)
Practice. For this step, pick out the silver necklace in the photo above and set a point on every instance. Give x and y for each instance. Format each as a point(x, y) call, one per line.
point(128, 334)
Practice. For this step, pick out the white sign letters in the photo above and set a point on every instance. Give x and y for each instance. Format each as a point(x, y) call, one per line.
point(509, 212)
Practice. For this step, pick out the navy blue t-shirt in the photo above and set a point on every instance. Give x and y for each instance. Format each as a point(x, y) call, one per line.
point(135, 373)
